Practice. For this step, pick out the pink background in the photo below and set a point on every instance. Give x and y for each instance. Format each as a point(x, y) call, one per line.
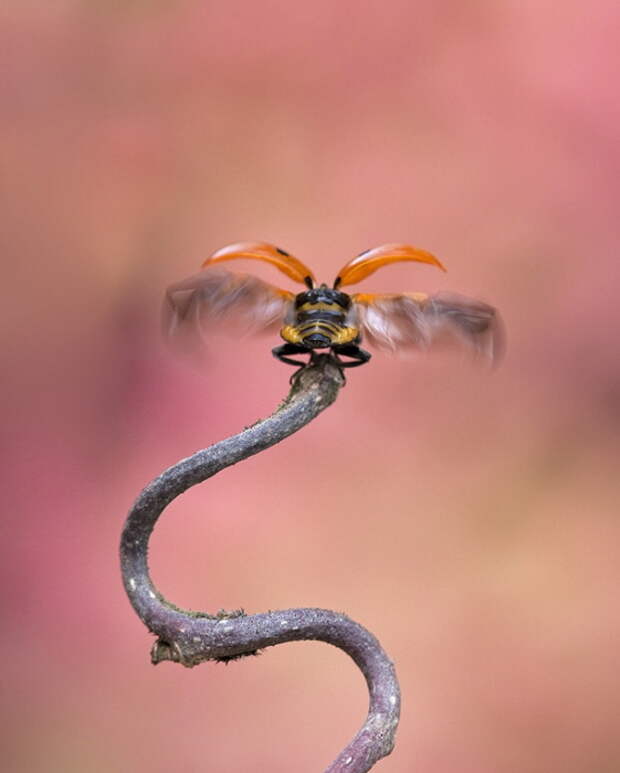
point(470, 519)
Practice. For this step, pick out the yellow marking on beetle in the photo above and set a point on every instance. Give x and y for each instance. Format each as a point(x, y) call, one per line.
point(345, 335)
point(337, 334)
point(291, 334)
point(318, 325)
point(320, 307)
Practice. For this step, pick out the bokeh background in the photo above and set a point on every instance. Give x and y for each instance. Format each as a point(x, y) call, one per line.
point(469, 518)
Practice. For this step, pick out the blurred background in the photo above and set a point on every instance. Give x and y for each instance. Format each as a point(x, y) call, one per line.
point(469, 518)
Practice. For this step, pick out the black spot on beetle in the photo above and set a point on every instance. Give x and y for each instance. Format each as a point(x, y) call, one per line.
point(283, 252)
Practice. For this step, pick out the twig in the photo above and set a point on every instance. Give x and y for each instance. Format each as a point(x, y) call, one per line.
point(191, 638)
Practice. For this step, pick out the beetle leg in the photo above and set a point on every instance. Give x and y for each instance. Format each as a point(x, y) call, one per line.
point(359, 356)
point(281, 352)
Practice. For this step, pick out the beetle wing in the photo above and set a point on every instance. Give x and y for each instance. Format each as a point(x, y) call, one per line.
point(368, 262)
point(418, 321)
point(268, 253)
point(216, 298)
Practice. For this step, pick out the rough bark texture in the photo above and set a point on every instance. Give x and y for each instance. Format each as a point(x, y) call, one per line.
point(190, 638)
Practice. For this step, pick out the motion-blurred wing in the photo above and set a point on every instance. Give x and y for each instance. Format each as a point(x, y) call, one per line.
point(415, 320)
point(219, 299)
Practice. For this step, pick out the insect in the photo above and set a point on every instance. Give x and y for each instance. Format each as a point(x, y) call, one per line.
point(323, 317)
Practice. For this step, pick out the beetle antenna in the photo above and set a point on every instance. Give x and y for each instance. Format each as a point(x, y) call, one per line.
point(309, 283)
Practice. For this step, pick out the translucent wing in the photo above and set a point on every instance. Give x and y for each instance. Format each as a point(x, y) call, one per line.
point(289, 265)
point(216, 298)
point(415, 320)
point(368, 262)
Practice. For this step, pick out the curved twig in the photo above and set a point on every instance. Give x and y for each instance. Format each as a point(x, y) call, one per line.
point(191, 638)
